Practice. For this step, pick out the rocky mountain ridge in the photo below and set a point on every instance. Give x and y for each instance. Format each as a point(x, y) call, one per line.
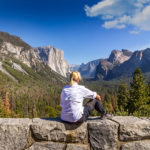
point(139, 59)
point(54, 58)
point(35, 58)
point(26, 56)
point(88, 70)
point(100, 68)
point(120, 64)
point(118, 57)
point(16, 56)
point(115, 59)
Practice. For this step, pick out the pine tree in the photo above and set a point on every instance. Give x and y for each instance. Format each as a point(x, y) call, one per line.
point(138, 94)
point(107, 102)
point(7, 104)
point(148, 92)
point(123, 97)
point(114, 102)
point(146, 107)
point(34, 111)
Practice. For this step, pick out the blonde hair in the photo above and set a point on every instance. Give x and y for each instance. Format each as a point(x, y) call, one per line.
point(74, 76)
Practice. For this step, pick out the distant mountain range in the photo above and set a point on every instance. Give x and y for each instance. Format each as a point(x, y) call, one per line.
point(120, 64)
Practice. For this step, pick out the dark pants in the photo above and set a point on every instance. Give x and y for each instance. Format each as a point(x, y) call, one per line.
point(89, 107)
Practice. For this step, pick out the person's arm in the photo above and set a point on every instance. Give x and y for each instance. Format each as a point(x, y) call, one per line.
point(98, 97)
point(88, 93)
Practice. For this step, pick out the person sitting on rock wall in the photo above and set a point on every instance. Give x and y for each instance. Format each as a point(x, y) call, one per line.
point(72, 97)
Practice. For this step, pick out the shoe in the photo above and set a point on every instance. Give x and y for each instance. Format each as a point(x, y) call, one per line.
point(107, 116)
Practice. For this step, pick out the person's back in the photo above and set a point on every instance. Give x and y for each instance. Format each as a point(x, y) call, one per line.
point(72, 101)
point(72, 97)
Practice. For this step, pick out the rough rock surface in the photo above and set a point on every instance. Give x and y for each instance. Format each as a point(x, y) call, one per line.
point(118, 57)
point(27, 56)
point(55, 130)
point(6, 72)
point(119, 133)
point(13, 133)
point(19, 68)
point(54, 58)
point(47, 146)
point(140, 145)
point(133, 128)
point(77, 147)
point(106, 66)
point(103, 135)
point(103, 69)
point(139, 59)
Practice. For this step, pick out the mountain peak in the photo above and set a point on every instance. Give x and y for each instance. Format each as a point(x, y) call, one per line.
point(118, 57)
point(14, 40)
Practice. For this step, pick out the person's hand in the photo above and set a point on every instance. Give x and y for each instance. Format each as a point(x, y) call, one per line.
point(98, 97)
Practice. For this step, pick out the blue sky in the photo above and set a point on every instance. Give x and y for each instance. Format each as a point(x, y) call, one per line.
point(84, 29)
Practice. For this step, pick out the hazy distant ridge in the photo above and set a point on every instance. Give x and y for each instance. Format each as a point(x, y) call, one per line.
point(121, 63)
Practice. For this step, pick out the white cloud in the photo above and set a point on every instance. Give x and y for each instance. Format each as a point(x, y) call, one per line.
point(121, 13)
point(142, 19)
point(98, 9)
point(113, 24)
point(107, 17)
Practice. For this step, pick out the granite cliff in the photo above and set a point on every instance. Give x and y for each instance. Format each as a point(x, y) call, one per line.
point(35, 58)
point(54, 58)
point(13, 46)
point(119, 64)
point(138, 59)
point(100, 68)
point(115, 59)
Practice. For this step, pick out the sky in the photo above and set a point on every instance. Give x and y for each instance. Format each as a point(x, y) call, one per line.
point(84, 29)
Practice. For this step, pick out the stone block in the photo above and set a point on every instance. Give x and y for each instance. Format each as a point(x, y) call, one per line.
point(14, 133)
point(57, 131)
point(103, 135)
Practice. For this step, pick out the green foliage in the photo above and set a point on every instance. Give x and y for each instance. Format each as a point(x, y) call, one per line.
point(6, 37)
point(138, 94)
point(148, 93)
point(136, 99)
point(107, 102)
point(50, 111)
point(53, 112)
point(34, 95)
point(95, 113)
point(38, 93)
point(123, 97)
point(17, 74)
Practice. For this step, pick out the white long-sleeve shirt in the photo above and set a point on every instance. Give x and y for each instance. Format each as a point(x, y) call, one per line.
point(72, 101)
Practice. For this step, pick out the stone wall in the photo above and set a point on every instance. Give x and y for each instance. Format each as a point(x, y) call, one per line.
point(119, 133)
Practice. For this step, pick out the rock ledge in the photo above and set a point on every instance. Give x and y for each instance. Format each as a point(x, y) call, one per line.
point(119, 133)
